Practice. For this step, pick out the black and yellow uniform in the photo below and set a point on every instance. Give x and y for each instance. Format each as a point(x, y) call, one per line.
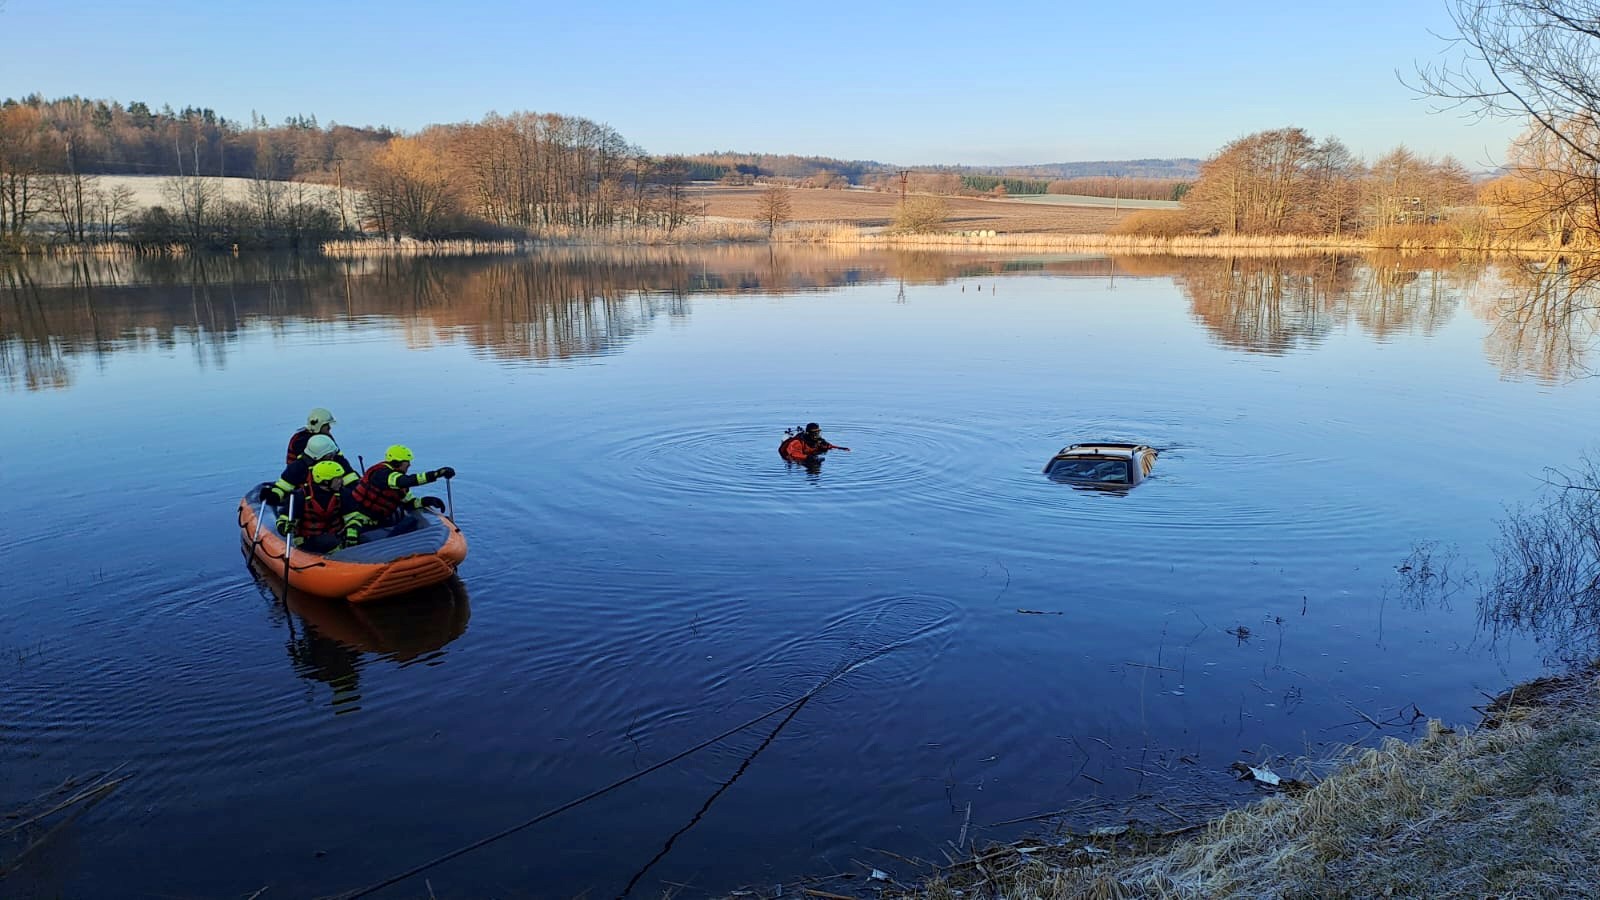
point(297, 445)
point(297, 476)
point(319, 511)
point(382, 498)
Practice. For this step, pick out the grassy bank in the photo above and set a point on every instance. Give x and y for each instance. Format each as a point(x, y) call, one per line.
point(1509, 808)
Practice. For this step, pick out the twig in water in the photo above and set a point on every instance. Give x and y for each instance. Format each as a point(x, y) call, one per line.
point(1148, 666)
point(94, 790)
point(961, 841)
point(1370, 720)
point(263, 891)
point(1003, 586)
point(914, 862)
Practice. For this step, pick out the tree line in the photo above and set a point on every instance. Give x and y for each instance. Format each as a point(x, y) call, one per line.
point(503, 176)
point(1286, 182)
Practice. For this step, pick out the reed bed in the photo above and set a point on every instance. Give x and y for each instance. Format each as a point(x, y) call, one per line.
point(712, 231)
point(1191, 244)
point(345, 249)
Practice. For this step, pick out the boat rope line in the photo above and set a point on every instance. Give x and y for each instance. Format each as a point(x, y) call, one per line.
point(792, 706)
point(705, 807)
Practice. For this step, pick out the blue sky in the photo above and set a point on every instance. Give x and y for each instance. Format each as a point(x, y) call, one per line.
point(929, 82)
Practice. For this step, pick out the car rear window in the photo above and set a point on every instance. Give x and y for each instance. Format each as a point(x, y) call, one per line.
point(1113, 471)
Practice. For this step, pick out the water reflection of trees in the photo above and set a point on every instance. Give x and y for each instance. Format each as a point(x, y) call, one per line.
point(1274, 305)
point(1543, 318)
point(58, 312)
point(1543, 322)
point(549, 306)
point(1546, 578)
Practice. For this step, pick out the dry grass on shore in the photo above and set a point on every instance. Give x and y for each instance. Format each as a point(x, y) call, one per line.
point(1511, 809)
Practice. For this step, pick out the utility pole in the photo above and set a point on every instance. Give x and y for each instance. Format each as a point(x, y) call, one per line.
point(338, 170)
point(904, 174)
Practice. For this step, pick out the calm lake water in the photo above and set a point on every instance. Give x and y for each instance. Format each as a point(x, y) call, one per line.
point(646, 571)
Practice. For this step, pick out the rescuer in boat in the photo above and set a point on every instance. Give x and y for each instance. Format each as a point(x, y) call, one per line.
point(382, 498)
point(319, 510)
point(298, 473)
point(804, 444)
point(318, 421)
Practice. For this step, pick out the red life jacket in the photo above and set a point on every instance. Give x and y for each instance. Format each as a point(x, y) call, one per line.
point(297, 445)
point(322, 513)
point(372, 494)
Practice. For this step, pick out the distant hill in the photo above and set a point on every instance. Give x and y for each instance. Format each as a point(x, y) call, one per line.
point(710, 166)
point(1182, 168)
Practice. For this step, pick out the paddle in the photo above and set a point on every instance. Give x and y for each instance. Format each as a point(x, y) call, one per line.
point(288, 550)
point(261, 518)
point(451, 497)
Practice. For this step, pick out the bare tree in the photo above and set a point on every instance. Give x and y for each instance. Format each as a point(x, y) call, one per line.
point(194, 199)
point(1275, 182)
point(70, 200)
point(1539, 61)
point(774, 207)
point(1535, 59)
point(410, 189)
point(22, 167)
point(112, 208)
point(674, 207)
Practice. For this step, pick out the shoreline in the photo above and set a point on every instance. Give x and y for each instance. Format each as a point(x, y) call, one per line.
point(830, 234)
point(1508, 807)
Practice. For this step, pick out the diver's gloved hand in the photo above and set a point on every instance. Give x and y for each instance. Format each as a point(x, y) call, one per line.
point(433, 503)
point(270, 493)
point(284, 524)
point(444, 472)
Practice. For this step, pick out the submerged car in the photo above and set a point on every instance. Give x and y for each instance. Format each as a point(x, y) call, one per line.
point(1102, 466)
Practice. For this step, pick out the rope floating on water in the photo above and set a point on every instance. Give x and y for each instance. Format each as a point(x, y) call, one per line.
point(794, 705)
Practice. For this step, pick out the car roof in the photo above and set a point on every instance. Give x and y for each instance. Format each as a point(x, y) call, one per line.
point(1115, 451)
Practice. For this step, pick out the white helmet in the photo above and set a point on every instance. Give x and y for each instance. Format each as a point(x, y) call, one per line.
point(317, 418)
point(320, 446)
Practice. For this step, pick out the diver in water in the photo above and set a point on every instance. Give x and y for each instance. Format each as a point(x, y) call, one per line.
point(806, 444)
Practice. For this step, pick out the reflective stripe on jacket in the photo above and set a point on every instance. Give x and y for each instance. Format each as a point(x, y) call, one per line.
point(383, 489)
point(297, 474)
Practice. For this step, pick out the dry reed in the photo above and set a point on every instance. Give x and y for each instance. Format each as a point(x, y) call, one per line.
point(1511, 809)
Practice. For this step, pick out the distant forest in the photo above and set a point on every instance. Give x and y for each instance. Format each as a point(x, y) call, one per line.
point(499, 176)
point(105, 137)
point(108, 137)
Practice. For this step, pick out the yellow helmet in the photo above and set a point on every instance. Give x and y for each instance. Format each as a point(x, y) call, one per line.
point(327, 470)
point(317, 418)
point(397, 453)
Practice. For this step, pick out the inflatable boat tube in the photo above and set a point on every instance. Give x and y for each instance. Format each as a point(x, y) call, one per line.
point(371, 570)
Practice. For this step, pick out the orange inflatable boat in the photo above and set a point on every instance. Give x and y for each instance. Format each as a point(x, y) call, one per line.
point(370, 570)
